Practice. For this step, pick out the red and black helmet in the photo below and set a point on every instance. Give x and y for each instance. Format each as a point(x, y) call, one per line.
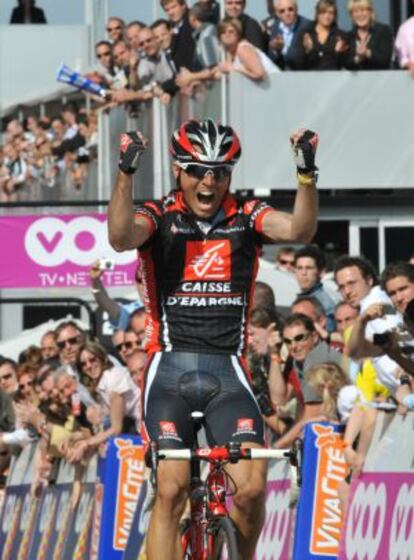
point(205, 143)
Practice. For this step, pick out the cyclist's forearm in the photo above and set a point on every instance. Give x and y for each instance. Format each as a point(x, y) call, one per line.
point(124, 233)
point(305, 213)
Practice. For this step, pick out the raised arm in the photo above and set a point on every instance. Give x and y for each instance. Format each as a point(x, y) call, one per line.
point(126, 231)
point(302, 223)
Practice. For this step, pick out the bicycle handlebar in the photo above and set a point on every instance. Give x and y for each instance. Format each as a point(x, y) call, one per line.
point(223, 454)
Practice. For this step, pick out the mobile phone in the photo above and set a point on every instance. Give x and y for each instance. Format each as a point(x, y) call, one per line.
point(388, 309)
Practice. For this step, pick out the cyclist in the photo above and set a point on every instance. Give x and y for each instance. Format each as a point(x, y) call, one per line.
point(199, 250)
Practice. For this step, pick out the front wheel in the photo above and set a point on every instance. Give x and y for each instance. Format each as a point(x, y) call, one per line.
point(222, 541)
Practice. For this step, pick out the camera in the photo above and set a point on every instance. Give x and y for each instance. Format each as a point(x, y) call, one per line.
point(106, 264)
point(382, 339)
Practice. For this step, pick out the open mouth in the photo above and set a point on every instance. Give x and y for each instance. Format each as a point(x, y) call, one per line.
point(205, 198)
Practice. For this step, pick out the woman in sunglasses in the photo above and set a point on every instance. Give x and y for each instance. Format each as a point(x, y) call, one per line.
point(114, 390)
point(199, 249)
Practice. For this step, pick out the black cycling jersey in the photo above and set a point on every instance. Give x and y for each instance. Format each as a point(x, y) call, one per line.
point(198, 276)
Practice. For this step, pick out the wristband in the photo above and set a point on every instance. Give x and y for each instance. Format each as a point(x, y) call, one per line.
point(95, 290)
point(307, 179)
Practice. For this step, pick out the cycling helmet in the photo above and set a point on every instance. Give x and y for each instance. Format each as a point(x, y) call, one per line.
point(205, 143)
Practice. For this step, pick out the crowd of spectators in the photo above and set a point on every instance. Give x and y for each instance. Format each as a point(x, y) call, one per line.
point(338, 355)
point(191, 47)
point(185, 52)
point(344, 348)
point(42, 150)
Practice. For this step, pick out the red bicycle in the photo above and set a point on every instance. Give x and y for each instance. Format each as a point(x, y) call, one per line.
point(208, 533)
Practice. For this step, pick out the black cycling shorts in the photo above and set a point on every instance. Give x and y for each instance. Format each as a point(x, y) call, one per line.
point(179, 383)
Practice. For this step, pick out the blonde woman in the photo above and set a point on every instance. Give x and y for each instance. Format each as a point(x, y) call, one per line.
point(240, 55)
point(327, 380)
point(370, 43)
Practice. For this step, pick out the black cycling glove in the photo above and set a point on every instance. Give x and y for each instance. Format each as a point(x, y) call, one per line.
point(304, 152)
point(131, 147)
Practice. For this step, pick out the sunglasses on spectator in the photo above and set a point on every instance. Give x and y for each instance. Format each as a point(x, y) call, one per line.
point(117, 28)
point(92, 360)
point(24, 385)
point(71, 341)
point(101, 55)
point(6, 377)
point(128, 345)
point(298, 338)
point(200, 171)
point(283, 10)
point(286, 261)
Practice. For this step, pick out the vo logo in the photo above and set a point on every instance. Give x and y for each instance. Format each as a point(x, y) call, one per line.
point(51, 241)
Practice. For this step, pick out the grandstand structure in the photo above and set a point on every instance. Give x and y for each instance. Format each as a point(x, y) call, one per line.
point(366, 155)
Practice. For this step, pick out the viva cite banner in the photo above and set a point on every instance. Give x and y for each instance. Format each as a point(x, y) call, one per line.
point(57, 252)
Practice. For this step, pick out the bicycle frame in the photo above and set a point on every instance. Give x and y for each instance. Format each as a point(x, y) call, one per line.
point(208, 508)
point(207, 501)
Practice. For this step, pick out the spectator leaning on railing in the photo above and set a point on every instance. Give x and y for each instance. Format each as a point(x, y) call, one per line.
point(153, 65)
point(182, 44)
point(242, 56)
point(115, 391)
point(207, 50)
point(115, 27)
point(132, 34)
point(305, 351)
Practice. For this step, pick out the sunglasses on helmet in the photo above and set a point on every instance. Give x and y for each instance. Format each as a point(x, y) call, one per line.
point(199, 171)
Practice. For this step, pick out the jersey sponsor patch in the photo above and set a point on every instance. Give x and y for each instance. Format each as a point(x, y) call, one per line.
point(168, 430)
point(245, 426)
point(208, 260)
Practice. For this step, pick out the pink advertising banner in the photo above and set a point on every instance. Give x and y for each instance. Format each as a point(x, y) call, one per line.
point(380, 518)
point(57, 252)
